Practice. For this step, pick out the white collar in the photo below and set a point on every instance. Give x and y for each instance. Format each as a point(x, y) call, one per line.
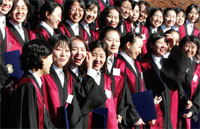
point(56, 68)
point(189, 24)
point(157, 60)
point(85, 25)
point(127, 57)
point(38, 79)
point(2, 17)
point(74, 70)
point(110, 59)
point(71, 24)
point(15, 24)
point(164, 28)
point(153, 30)
point(48, 27)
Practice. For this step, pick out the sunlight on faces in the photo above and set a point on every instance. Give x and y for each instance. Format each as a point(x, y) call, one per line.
point(112, 41)
point(78, 52)
point(134, 49)
point(126, 8)
point(193, 15)
point(54, 18)
point(47, 64)
point(157, 19)
point(112, 18)
point(180, 18)
point(159, 47)
point(61, 54)
point(190, 49)
point(170, 18)
point(143, 14)
point(99, 58)
point(135, 13)
point(6, 6)
point(76, 12)
point(20, 12)
point(91, 14)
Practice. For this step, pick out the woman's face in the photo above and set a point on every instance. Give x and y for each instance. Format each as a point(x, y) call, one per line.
point(20, 12)
point(112, 41)
point(193, 15)
point(126, 7)
point(99, 58)
point(143, 14)
point(76, 12)
point(170, 18)
point(134, 49)
point(54, 18)
point(61, 54)
point(47, 64)
point(159, 47)
point(190, 49)
point(157, 19)
point(180, 18)
point(135, 13)
point(6, 6)
point(78, 53)
point(91, 14)
point(112, 19)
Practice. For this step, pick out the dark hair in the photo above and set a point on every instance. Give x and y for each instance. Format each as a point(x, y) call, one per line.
point(27, 4)
point(1, 1)
point(178, 10)
point(147, 5)
point(152, 12)
point(104, 14)
point(105, 30)
point(58, 39)
point(68, 5)
point(32, 54)
point(190, 38)
point(152, 40)
point(118, 3)
point(189, 9)
point(99, 44)
point(129, 37)
point(89, 3)
point(48, 6)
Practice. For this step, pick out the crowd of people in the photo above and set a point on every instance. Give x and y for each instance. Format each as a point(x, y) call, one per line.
point(82, 55)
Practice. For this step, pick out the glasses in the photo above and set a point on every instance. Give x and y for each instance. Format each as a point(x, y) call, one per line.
point(76, 9)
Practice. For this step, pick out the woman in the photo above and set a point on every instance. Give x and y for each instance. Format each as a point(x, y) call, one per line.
point(89, 20)
point(180, 18)
point(58, 88)
point(73, 13)
point(192, 16)
point(190, 83)
point(17, 34)
point(50, 16)
point(89, 94)
point(29, 108)
point(98, 73)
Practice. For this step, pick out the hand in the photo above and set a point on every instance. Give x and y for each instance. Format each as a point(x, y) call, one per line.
point(189, 104)
point(157, 100)
point(171, 41)
point(119, 119)
point(152, 122)
point(89, 60)
point(140, 122)
point(187, 115)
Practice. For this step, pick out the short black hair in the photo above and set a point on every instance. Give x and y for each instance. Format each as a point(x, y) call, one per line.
point(104, 14)
point(189, 9)
point(105, 30)
point(152, 12)
point(99, 44)
point(58, 39)
point(32, 54)
point(89, 3)
point(48, 6)
point(190, 38)
point(147, 5)
point(129, 37)
point(68, 5)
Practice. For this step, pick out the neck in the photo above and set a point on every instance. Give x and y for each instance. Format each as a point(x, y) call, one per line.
point(39, 72)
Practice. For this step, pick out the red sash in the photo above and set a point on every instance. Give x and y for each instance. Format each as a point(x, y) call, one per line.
point(64, 30)
point(39, 100)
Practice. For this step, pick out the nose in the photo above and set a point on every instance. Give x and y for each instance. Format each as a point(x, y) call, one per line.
point(98, 58)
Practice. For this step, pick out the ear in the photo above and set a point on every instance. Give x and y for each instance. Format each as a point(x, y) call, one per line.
point(47, 14)
point(128, 45)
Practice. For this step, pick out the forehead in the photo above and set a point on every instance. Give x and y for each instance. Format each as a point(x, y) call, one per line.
point(99, 50)
point(113, 34)
point(75, 4)
point(78, 43)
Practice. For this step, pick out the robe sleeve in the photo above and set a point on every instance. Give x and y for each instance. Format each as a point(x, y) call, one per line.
point(196, 103)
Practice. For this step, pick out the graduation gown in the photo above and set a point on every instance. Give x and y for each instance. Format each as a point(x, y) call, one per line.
point(65, 29)
point(89, 95)
point(42, 33)
point(192, 87)
point(105, 83)
point(29, 109)
point(122, 96)
point(103, 4)
point(86, 36)
point(183, 31)
point(55, 97)
point(159, 88)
